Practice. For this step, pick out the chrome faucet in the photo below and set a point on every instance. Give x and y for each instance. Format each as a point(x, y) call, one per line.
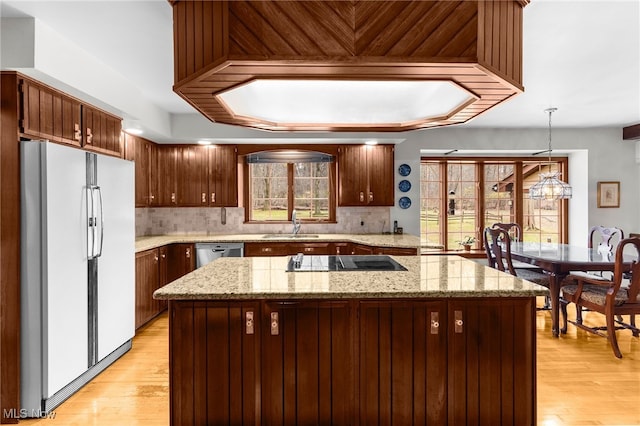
point(296, 223)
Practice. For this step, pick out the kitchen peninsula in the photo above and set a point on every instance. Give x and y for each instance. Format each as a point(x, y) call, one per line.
point(448, 341)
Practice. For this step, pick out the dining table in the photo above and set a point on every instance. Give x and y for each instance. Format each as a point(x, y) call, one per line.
point(559, 260)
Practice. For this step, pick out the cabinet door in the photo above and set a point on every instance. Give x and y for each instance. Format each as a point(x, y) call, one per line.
point(192, 179)
point(49, 114)
point(380, 171)
point(311, 248)
point(492, 347)
point(146, 284)
point(223, 176)
point(145, 166)
point(403, 363)
point(361, 249)
point(181, 260)
point(214, 363)
point(397, 251)
point(101, 131)
point(342, 248)
point(166, 176)
point(307, 363)
point(252, 249)
point(352, 175)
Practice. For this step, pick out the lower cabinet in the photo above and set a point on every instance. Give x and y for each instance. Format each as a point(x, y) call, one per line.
point(440, 361)
point(154, 269)
point(276, 248)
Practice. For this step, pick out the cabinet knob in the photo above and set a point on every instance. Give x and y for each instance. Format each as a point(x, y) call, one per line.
point(248, 318)
point(153, 197)
point(361, 197)
point(435, 322)
point(163, 255)
point(204, 197)
point(275, 329)
point(89, 136)
point(370, 196)
point(213, 197)
point(188, 252)
point(266, 249)
point(173, 197)
point(457, 321)
point(77, 132)
point(308, 249)
point(155, 258)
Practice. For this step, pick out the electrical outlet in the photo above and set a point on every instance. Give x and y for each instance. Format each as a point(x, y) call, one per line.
point(362, 223)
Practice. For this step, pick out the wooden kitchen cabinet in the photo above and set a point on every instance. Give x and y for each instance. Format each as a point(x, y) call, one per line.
point(147, 279)
point(253, 249)
point(154, 269)
point(403, 362)
point(223, 175)
point(319, 248)
point(49, 114)
point(166, 163)
point(195, 175)
point(353, 361)
point(361, 249)
point(396, 251)
point(145, 159)
point(181, 260)
point(101, 131)
point(192, 187)
point(308, 355)
point(491, 361)
point(215, 363)
point(365, 175)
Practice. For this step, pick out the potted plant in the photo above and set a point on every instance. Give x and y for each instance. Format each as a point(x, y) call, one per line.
point(467, 242)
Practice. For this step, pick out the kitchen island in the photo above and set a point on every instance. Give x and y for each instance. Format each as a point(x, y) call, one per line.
point(448, 341)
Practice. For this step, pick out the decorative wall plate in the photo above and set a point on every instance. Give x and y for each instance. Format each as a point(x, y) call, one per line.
point(404, 202)
point(404, 185)
point(404, 170)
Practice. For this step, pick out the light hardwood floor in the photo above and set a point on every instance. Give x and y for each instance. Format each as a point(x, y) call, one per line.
point(580, 381)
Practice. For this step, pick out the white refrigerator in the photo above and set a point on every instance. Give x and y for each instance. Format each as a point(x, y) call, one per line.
point(78, 269)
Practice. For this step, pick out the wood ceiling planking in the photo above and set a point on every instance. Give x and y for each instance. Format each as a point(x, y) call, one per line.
point(476, 44)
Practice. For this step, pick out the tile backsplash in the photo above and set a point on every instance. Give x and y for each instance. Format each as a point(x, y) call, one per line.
point(208, 220)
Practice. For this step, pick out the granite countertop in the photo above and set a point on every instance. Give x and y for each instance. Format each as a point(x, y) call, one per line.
point(378, 240)
point(266, 278)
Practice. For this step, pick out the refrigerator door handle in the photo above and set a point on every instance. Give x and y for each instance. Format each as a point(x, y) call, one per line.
point(99, 253)
point(91, 223)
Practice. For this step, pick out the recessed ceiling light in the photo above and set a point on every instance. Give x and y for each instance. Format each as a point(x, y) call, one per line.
point(134, 131)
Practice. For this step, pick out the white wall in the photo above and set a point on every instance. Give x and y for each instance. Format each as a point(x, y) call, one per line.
point(595, 155)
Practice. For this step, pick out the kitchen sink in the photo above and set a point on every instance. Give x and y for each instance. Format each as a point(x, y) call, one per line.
point(290, 236)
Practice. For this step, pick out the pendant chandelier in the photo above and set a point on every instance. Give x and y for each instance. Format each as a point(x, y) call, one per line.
point(550, 187)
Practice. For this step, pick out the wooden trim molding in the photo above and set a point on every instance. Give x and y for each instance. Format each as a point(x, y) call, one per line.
point(9, 248)
point(631, 132)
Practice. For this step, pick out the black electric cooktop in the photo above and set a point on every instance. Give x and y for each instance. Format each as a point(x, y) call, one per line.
point(301, 263)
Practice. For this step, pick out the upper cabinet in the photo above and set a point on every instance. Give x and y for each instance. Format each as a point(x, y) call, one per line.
point(223, 175)
point(365, 175)
point(49, 114)
point(144, 155)
point(194, 175)
point(101, 131)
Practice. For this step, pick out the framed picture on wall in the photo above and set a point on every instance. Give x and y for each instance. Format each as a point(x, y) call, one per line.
point(608, 194)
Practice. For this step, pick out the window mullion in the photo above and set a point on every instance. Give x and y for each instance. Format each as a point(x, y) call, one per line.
point(290, 190)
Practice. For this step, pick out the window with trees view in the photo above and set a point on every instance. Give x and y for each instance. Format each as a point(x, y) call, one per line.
point(460, 197)
point(278, 188)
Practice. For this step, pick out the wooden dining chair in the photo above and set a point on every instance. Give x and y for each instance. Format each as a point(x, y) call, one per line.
point(497, 239)
point(607, 296)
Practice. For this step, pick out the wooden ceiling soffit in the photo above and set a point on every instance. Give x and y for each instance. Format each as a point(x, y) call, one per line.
point(631, 132)
point(220, 45)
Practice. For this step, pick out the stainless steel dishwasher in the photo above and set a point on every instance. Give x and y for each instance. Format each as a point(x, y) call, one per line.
point(208, 252)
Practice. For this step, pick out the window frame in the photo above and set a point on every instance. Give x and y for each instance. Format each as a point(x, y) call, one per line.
point(247, 201)
point(479, 162)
